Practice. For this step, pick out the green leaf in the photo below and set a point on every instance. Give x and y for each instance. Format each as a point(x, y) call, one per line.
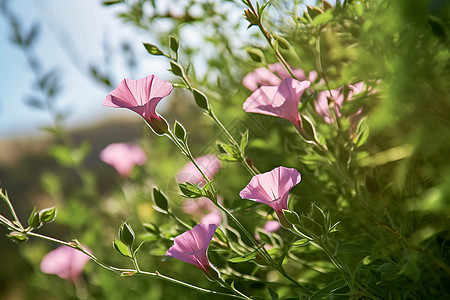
point(283, 43)
point(363, 133)
point(291, 216)
point(47, 215)
point(111, 2)
point(328, 290)
point(314, 11)
point(126, 234)
point(308, 129)
point(226, 148)
point(256, 54)
point(17, 237)
point(152, 49)
point(300, 243)
point(35, 103)
point(160, 201)
point(323, 18)
point(265, 238)
point(63, 155)
point(33, 220)
point(244, 258)
point(173, 43)
point(180, 131)
point(29, 39)
point(121, 248)
point(152, 228)
point(176, 69)
point(227, 157)
point(221, 235)
point(244, 141)
point(200, 99)
point(190, 190)
point(273, 294)
point(228, 152)
point(138, 248)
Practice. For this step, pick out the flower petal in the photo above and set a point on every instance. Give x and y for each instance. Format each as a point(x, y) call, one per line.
point(191, 246)
point(272, 188)
point(142, 95)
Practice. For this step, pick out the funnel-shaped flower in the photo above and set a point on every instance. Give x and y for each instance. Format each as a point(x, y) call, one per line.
point(191, 246)
point(141, 96)
point(279, 101)
point(209, 164)
point(272, 188)
point(66, 262)
point(123, 157)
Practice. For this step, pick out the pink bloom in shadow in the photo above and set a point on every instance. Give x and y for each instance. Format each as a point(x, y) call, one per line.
point(272, 188)
point(141, 96)
point(273, 76)
point(272, 226)
point(280, 101)
point(336, 99)
point(191, 246)
point(213, 217)
point(209, 164)
point(322, 104)
point(203, 208)
point(65, 262)
point(123, 157)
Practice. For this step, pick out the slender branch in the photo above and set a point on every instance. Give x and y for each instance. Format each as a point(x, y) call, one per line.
point(190, 286)
point(232, 288)
point(269, 39)
point(130, 272)
point(253, 171)
point(4, 196)
point(249, 168)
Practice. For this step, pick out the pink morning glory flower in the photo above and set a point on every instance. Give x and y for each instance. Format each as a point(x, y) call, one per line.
point(123, 157)
point(279, 101)
point(209, 164)
point(142, 96)
point(66, 262)
point(273, 75)
point(191, 247)
point(272, 188)
point(203, 208)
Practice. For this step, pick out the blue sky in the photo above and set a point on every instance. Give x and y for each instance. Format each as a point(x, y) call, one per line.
point(72, 35)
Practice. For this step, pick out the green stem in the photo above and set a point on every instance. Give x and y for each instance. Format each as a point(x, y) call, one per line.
point(11, 208)
point(262, 251)
point(269, 39)
point(190, 286)
point(210, 113)
point(233, 289)
point(251, 170)
point(76, 245)
point(179, 221)
point(346, 273)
